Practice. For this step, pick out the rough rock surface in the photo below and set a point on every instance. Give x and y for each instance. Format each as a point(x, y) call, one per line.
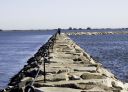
point(68, 69)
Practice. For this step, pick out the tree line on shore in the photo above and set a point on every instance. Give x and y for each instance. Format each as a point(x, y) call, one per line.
point(70, 28)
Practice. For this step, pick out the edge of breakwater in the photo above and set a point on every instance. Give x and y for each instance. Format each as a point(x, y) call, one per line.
point(96, 33)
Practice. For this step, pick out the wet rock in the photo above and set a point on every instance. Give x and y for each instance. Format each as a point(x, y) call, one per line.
point(16, 89)
point(34, 64)
point(32, 59)
point(31, 73)
point(38, 58)
point(16, 79)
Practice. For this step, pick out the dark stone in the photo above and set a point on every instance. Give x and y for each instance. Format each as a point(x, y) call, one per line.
point(38, 58)
point(32, 59)
point(16, 89)
point(31, 73)
point(15, 80)
point(33, 65)
point(77, 59)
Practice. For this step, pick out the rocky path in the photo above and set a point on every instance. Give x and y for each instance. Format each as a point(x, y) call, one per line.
point(67, 68)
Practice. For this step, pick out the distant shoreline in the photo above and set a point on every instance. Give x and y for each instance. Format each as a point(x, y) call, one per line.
point(107, 31)
point(69, 29)
point(96, 33)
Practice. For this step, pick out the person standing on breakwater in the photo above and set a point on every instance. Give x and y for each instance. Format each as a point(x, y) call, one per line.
point(59, 31)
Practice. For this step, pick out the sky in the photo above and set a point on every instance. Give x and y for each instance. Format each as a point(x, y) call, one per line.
point(50, 14)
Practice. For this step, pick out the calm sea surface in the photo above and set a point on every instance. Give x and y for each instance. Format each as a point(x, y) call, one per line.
point(110, 50)
point(17, 47)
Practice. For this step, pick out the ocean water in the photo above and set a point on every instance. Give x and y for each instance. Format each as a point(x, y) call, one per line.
point(110, 50)
point(15, 49)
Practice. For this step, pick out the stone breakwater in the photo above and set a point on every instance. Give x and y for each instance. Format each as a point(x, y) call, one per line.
point(96, 33)
point(61, 65)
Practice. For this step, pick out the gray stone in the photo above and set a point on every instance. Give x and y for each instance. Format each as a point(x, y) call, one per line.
point(85, 69)
point(91, 76)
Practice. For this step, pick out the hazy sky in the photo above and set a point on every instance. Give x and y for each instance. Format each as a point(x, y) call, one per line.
point(42, 14)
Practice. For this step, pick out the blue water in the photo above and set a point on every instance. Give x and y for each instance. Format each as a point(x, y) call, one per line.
point(110, 50)
point(15, 49)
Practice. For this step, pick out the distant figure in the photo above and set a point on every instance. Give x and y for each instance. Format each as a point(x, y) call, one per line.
point(88, 28)
point(59, 31)
point(70, 28)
